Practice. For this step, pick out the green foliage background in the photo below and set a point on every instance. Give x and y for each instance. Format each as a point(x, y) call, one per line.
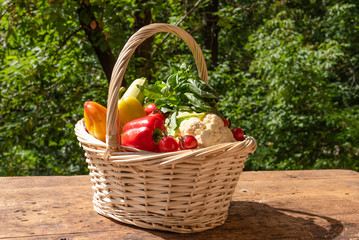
point(287, 74)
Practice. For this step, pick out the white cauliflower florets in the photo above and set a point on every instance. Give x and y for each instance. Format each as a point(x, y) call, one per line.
point(212, 121)
point(210, 131)
point(192, 126)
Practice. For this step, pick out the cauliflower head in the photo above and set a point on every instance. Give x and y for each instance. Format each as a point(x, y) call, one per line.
point(209, 132)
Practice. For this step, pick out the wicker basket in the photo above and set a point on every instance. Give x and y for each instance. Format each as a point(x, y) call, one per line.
point(184, 191)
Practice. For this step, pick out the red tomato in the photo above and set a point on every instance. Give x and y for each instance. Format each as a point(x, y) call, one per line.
point(150, 108)
point(225, 121)
point(168, 144)
point(188, 142)
point(238, 134)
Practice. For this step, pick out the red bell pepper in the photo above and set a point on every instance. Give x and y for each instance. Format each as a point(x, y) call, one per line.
point(144, 133)
point(158, 114)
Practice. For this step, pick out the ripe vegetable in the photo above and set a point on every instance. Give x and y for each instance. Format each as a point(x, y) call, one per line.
point(143, 133)
point(134, 91)
point(210, 131)
point(225, 121)
point(95, 120)
point(150, 108)
point(168, 144)
point(158, 114)
point(176, 119)
point(238, 134)
point(188, 142)
point(130, 109)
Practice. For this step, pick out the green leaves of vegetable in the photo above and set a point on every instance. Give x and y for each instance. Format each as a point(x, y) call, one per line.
point(202, 89)
point(199, 103)
point(182, 91)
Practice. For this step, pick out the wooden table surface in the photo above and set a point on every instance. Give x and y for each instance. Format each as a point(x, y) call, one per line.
point(315, 204)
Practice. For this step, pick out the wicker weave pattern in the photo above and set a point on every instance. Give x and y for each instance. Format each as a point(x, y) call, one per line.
point(184, 191)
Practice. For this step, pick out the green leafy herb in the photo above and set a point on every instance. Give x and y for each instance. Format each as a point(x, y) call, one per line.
point(182, 91)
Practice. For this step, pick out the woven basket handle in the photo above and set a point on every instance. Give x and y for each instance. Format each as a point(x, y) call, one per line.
point(121, 65)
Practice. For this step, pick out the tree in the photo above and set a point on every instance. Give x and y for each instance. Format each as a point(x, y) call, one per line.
point(295, 97)
point(143, 17)
point(95, 35)
point(210, 30)
point(286, 71)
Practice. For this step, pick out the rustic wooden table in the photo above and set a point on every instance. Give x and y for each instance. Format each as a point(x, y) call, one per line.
point(318, 204)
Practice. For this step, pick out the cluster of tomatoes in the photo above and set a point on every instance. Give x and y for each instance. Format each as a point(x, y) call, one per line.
point(238, 133)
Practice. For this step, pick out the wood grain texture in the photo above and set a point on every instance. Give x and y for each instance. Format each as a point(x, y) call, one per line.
point(318, 204)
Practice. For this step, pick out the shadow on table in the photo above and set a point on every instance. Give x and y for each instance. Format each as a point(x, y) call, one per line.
point(252, 220)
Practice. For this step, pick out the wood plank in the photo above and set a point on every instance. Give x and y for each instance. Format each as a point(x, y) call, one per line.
point(332, 197)
point(318, 204)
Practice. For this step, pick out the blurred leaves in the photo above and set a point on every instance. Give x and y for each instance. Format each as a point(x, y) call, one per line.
point(288, 75)
point(295, 96)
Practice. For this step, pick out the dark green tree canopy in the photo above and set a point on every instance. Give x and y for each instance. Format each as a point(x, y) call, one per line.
point(287, 73)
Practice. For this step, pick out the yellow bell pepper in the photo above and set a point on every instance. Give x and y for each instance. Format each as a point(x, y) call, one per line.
point(130, 109)
point(95, 120)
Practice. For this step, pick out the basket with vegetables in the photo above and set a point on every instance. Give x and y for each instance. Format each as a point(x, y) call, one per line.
point(162, 156)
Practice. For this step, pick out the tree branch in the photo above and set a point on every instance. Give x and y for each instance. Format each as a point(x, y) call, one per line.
point(239, 6)
point(143, 17)
point(96, 37)
point(167, 35)
point(178, 23)
point(68, 38)
point(9, 8)
point(210, 30)
point(103, 12)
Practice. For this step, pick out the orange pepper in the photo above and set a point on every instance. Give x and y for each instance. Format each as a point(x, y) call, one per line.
point(95, 119)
